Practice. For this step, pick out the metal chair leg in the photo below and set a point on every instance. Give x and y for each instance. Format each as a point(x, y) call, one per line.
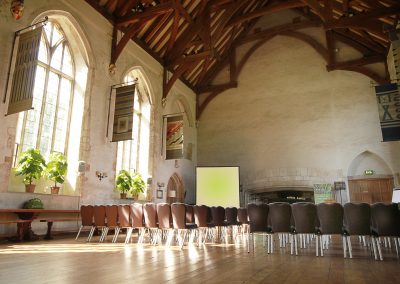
point(77, 236)
point(349, 246)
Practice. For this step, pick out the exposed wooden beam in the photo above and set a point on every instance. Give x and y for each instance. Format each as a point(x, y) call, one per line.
point(357, 42)
point(357, 62)
point(126, 7)
point(365, 20)
point(362, 70)
point(95, 5)
point(277, 30)
point(147, 14)
point(314, 4)
point(272, 8)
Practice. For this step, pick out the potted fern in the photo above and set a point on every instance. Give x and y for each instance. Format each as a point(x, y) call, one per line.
point(30, 165)
point(138, 185)
point(56, 170)
point(123, 182)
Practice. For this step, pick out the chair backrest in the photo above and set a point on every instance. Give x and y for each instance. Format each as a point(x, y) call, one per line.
point(280, 214)
point(305, 217)
point(242, 216)
point(164, 216)
point(189, 214)
point(178, 211)
point(385, 219)
point(357, 218)
point(137, 215)
point(218, 215)
point(258, 216)
point(330, 216)
point(112, 215)
point(231, 214)
point(87, 212)
point(100, 216)
point(200, 215)
point(150, 215)
point(124, 216)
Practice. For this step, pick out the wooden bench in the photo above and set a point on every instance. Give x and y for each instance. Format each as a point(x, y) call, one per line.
point(50, 222)
point(23, 228)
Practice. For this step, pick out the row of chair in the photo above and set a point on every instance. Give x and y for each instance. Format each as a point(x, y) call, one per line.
point(304, 219)
point(163, 220)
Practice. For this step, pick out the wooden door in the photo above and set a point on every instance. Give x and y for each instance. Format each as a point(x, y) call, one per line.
point(371, 190)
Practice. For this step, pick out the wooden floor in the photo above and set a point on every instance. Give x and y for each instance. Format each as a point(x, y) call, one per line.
point(65, 260)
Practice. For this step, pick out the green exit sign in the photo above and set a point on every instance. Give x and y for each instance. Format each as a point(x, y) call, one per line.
point(368, 172)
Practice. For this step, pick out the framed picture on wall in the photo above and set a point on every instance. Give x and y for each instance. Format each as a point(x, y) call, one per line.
point(159, 194)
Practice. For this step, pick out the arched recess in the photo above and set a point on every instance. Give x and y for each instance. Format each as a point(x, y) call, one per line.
point(143, 82)
point(184, 107)
point(376, 187)
point(175, 189)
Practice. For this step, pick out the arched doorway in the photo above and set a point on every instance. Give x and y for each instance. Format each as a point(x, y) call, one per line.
point(375, 187)
point(175, 189)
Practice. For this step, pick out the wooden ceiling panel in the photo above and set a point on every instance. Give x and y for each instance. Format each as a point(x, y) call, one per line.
point(193, 38)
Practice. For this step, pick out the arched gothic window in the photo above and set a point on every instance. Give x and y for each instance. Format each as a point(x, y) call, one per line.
point(133, 155)
point(46, 126)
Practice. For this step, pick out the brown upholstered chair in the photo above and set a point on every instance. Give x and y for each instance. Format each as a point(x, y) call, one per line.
point(189, 214)
point(231, 216)
point(258, 220)
point(99, 220)
point(305, 223)
point(243, 220)
point(357, 222)
point(330, 216)
point(164, 222)
point(87, 212)
point(124, 221)
point(150, 221)
point(137, 220)
point(385, 223)
point(218, 222)
point(280, 221)
point(112, 222)
point(178, 211)
point(201, 220)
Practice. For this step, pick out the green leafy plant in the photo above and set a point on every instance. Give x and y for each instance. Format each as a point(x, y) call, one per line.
point(123, 181)
point(56, 168)
point(138, 185)
point(34, 203)
point(30, 165)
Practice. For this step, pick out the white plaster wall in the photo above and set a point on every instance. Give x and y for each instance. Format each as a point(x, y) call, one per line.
point(292, 123)
point(95, 150)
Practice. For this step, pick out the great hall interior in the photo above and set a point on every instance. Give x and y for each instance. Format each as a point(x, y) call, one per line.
point(116, 108)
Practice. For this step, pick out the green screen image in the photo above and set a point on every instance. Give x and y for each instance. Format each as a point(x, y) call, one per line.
point(217, 186)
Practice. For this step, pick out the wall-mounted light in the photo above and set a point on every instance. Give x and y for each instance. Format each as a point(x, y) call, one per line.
point(101, 175)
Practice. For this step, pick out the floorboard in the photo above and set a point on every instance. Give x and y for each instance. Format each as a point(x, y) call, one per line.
point(64, 260)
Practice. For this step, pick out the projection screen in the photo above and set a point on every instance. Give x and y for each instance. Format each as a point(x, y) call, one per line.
point(217, 186)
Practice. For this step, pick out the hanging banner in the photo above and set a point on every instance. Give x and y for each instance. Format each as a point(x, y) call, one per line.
point(388, 97)
point(123, 113)
point(21, 96)
point(174, 137)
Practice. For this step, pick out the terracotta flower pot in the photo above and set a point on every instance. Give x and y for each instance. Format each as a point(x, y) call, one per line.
point(30, 188)
point(55, 189)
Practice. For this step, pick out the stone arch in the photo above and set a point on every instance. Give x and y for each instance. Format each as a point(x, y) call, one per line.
point(368, 160)
point(144, 82)
point(184, 107)
point(175, 189)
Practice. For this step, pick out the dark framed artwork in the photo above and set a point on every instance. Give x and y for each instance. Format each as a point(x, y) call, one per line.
point(160, 194)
